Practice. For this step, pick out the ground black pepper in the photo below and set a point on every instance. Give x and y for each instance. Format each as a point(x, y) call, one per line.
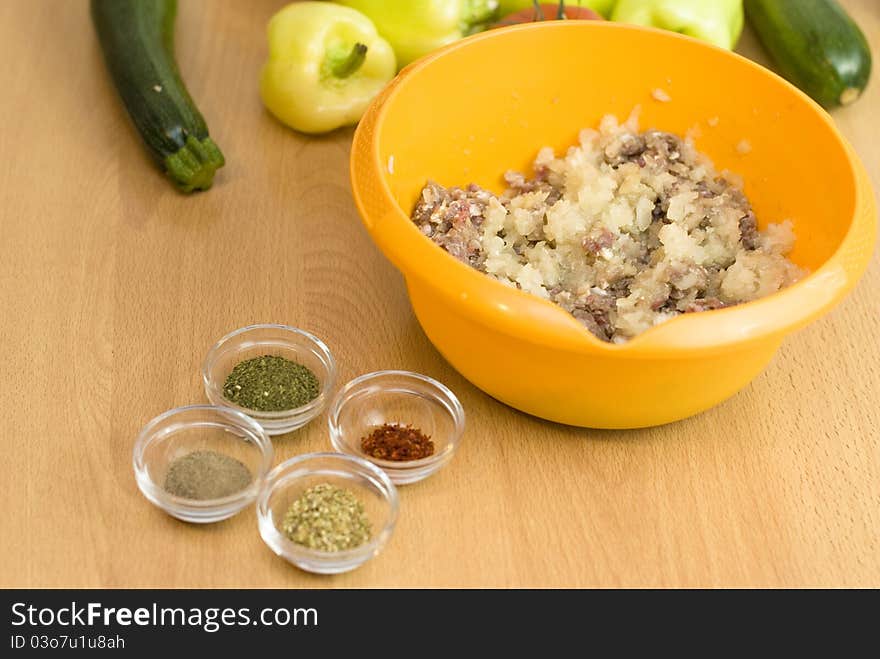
point(204, 475)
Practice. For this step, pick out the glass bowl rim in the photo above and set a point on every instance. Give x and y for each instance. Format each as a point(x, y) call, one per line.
point(148, 435)
point(215, 391)
point(445, 398)
point(291, 549)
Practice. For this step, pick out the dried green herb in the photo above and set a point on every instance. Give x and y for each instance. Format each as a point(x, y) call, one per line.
point(271, 383)
point(327, 518)
point(206, 475)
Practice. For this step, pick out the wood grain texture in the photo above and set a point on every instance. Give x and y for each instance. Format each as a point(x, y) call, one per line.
point(113, 287)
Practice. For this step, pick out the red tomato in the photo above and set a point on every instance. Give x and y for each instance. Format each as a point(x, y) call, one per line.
point(549, 11)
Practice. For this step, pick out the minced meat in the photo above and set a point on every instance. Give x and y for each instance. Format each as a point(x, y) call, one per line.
point(624, 231)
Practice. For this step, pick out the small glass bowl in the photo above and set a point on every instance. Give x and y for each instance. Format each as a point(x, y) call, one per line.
point(290, 479)
point(401, 398)
point(200, 427)
point(257, 340)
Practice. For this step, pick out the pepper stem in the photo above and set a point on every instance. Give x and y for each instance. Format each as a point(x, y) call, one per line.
point(539, 11)
point(560, 11)
point(351, 62)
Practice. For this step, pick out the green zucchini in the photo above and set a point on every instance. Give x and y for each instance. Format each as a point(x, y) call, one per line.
point(816, 45)
point(136, 37)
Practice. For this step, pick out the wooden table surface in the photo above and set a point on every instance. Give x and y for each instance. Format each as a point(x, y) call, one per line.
point(113, 287)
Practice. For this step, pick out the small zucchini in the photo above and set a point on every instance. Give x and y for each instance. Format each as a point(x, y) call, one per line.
point(136, 37)
point(816, 45)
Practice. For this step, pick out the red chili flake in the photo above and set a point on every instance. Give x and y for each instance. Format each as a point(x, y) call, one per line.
point(397, 443)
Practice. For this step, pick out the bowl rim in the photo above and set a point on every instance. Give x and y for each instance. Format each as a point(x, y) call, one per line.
point(516, 313)
point(292, 551)
point(214, 390)
point(173, 503)
point(446, 399)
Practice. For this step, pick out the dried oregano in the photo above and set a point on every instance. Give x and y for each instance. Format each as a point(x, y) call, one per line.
point(327, 518)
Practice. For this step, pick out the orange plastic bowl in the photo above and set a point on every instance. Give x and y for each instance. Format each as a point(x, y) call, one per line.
point(487, 104)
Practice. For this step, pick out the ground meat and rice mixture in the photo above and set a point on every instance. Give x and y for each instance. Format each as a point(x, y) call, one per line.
point(627, 230)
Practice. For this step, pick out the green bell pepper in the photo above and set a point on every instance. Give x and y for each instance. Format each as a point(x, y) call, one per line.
point(603, 7)
point(416, 27)
point(719, 22)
